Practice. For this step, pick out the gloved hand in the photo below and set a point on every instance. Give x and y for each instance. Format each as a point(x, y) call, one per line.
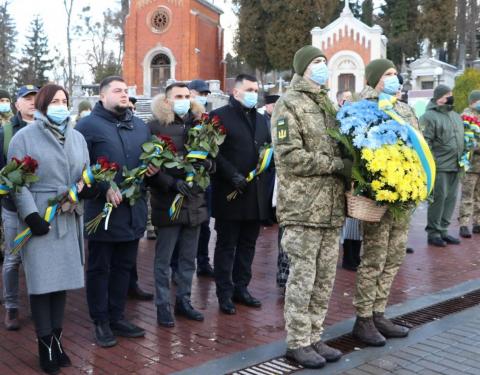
point(337, 165)
point(239, 182)
point(88, 192)
point(38, 225)
point(206, 163)
point(182, 187)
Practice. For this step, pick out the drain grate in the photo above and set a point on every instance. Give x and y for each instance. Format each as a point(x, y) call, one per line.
point(347, 343)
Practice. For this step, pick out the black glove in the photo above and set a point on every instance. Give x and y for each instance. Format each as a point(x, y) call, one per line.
point(182, 187)
point(37, 224)
point(239, 182)
point(89, 192)
point(206, 163)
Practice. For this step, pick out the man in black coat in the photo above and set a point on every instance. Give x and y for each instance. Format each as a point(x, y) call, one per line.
point(174, 115)
point(237, 222)
point(112, 131)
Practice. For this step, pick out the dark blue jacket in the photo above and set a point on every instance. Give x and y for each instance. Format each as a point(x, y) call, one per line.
point(119, 138)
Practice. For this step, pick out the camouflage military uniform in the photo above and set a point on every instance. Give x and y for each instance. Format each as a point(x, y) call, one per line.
point(470, 202)
point(384, 244)
point(310, 205)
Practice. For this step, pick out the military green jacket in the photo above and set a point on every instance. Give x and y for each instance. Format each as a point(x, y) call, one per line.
point(475, 160)
point(443, 131)
point(309, 193)
point(401, 108)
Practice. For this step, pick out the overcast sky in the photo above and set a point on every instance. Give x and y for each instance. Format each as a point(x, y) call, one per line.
point(53, 14)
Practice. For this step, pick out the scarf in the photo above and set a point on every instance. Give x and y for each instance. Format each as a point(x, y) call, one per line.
point(58, 131)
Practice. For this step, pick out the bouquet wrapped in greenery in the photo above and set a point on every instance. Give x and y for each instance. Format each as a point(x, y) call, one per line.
point(203, 141)
point(471, 126)
point(17, 174)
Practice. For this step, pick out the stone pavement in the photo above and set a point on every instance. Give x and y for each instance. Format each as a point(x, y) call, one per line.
point(191, 344)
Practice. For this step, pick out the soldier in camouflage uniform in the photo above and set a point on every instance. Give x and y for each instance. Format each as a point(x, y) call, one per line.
point(384, 242)
point(310, 204)
point(470, 203)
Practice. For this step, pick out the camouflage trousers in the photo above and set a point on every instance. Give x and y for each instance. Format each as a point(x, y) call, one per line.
point(313, 254)
point(470, 202)
point(384, 246)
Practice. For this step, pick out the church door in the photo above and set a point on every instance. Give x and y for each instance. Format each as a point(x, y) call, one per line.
point(160, 73)
point(346, 82)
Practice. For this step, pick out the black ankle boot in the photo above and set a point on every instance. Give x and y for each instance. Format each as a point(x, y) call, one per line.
point(62, 358)
point(48, 362)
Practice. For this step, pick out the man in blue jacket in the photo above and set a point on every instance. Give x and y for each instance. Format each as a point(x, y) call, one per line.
point(112, 131)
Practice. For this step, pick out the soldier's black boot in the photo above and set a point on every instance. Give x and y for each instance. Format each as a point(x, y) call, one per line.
point(465, 232)
point(387, 328)
point(476, 229)
point(364, 330)
point(330, 354)
point(306, 357)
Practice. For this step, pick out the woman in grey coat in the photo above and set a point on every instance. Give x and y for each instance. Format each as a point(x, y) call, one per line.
point(53, 258)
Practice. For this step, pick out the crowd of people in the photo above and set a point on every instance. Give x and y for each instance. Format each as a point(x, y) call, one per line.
point(303, 190)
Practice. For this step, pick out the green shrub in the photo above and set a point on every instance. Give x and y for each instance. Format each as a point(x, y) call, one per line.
point(464, 85)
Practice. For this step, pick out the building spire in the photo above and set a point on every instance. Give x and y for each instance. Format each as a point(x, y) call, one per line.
point(346, 10)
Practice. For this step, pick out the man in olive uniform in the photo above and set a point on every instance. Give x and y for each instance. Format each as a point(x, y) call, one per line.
point(443, 130)
point(310, 204)
point(384, 242)
point(470, 203)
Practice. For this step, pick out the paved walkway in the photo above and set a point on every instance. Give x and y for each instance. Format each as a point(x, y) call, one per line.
point(191, 344)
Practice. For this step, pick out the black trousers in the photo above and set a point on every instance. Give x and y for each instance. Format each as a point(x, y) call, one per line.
point(108, 275)
point(132, 285)
point(48, 311)
point(234, 254)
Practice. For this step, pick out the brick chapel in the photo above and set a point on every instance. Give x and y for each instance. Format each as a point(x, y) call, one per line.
point(172, 40)
point(349, 45)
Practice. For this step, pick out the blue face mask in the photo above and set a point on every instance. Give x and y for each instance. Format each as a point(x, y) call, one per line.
point(202, 100)
point(58, 113)
point(250, 99)
point(391, 85)
point(181, 106)
point(5, 107)
point(319, 73)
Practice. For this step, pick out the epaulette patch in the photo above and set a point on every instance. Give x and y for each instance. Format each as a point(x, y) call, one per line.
point(282, 130)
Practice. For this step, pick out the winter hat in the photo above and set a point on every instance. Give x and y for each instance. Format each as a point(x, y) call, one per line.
point(84, 105)
point(4, 94)
point(376, 69)
point(474, 96)
point(304, 56)
point(439, 91)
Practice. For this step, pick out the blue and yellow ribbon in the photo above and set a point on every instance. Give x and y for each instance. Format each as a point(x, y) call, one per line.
point(87, 176)
point(73, 194)
point(176, 205)
point(4, 190)
point(197, 155)
point(264, 164)
point(385, 104)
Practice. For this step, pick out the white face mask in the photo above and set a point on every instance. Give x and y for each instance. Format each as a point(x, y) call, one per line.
point(202, 100)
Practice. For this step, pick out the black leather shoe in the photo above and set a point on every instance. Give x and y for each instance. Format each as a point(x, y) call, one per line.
point(184, 308)
point(124, 328)
point(410, 250)
point(476, 229)
point(205, 270)
point(48, 361)
point(465, 232)
point(451, 240)
point(139, 294)
point(63, 359)
point(245, 298)
point(437, 241)
point(164, 316)
point(104, 336)
point(226, 306)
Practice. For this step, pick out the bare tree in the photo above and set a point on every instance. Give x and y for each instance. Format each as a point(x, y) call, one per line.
point(473, 29)
point(68, 4)
point(461, 31)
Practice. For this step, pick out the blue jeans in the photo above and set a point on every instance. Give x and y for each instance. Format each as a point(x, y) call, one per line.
point(11, 263)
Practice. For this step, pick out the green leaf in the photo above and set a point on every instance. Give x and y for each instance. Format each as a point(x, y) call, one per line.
point(15, 177)
point(148, 147)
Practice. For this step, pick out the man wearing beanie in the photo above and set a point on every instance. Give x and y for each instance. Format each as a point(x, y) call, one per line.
point(310, 204)
point(384, 242)
point(470, 202)
point(5, 107)
point(443, 130)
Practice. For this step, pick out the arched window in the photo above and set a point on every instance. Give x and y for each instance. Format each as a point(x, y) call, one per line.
point(346, 82)
point(160, 73)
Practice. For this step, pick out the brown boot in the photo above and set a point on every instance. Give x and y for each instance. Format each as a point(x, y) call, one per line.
point(11, 320)
point(387, 328)
point(330, 354)
point(364, 330)
point(306, 356)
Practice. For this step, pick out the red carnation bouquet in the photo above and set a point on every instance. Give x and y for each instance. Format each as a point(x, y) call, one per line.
point(160, 152)
point(203, 140)
point(17, 174)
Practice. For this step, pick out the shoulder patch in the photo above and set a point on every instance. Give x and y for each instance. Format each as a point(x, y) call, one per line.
point(282, 130)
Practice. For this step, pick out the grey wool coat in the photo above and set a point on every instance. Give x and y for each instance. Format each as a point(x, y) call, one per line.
point(52, 262)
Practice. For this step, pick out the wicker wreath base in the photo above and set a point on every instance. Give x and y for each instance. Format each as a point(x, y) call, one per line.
point(363, 208)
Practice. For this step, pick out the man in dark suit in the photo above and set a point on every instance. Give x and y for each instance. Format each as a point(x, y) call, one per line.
point(237, 222)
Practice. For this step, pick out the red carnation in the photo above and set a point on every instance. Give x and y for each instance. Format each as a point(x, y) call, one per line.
point(103, 161)
point(114, 166)
point(29, 164)
point(18, 161)
point(216, 120)
point(205, 117)
point(222, 129)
